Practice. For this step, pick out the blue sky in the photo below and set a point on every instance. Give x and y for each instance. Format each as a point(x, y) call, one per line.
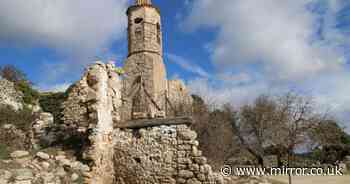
point(225, 50)
point(43, 63)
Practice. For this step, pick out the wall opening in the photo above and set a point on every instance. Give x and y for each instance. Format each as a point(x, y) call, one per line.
point(138, 20)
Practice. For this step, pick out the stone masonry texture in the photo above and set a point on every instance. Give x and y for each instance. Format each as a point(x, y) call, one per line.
point(164, 155)
point(9, 95)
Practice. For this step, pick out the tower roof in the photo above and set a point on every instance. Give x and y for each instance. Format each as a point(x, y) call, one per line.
point(143, 2)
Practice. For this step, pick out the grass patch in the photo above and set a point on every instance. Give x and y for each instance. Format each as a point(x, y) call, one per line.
point(21, 119)
point(80, 180)
point(4, 153)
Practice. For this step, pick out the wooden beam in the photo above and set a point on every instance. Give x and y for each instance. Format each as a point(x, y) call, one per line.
point(144, 123)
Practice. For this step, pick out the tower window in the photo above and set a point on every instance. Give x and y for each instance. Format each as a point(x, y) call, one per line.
point(138, 33)
point(138, 20)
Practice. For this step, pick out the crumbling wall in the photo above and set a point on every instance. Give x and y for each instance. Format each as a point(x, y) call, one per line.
point(101, 150)
point(164, 154)
point(156, 154)
point(80, 109)
point(91, 109)
point(9, 95)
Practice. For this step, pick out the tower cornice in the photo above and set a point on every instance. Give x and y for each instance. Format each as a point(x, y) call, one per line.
point(135, 7)
point(143, 2)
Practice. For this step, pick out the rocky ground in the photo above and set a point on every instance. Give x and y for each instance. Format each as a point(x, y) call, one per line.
point(42, 168)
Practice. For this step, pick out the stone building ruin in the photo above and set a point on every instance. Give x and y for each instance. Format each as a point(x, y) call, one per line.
point(137, 124)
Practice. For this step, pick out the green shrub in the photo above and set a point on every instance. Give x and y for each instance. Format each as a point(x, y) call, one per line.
point(30, 95)
point(120, 71)
point(4, 153)
point(22, 84)
point(14, 139)
point(345, 139)
point(22, 119)
point(11, 73)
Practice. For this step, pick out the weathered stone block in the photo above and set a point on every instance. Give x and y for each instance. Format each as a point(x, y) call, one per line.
point(185, 174)
point(19, 154)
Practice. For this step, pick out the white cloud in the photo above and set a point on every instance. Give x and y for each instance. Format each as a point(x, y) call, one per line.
point(54, 88)
point(275, 34)
point(273, 46)
point(187, 65)
point(217, 95)
point(78, 30)
point(79, 27)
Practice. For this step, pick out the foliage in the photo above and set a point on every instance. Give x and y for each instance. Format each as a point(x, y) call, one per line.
point(278, 125)
point(328, 133)
point(332, 153)
point(12, 139)
point(4, 153)
point(30, 95)
point(316, 154)
point(119, 71)
point(213, 127)
point(345, 139)
point(22, 84)
point(197, 100)
point(22, 119)
point(331, 142)
point(11, 73)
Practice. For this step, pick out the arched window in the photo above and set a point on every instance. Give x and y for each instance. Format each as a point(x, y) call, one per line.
point(138, 20)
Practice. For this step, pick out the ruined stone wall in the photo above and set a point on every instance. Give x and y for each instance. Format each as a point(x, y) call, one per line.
point(9, 95)
point(80, 109)
point(164, 155)
point(101, 150)
point(92, 107)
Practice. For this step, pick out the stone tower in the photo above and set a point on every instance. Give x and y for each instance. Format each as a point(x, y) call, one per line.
point(145, 82)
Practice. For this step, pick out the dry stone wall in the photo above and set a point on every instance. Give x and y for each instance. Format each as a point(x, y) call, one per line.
point(164, 155)
point(40, 128)
point(9, 95)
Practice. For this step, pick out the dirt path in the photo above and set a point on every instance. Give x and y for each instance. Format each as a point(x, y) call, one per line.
point(315, 179)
